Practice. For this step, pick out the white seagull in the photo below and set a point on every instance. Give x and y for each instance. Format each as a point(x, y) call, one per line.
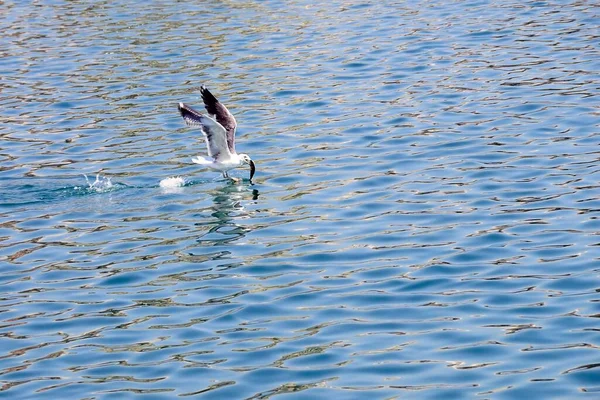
point(218, 128)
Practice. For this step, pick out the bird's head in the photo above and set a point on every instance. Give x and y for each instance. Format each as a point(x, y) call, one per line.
point(247, 160)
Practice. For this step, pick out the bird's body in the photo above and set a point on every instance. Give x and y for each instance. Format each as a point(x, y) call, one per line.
point(233, 161)
point(219, 128)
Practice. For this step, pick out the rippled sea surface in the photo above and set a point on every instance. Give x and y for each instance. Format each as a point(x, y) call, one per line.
point(423, 223)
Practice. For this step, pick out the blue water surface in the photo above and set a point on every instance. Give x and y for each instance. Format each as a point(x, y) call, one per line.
point(423, 223)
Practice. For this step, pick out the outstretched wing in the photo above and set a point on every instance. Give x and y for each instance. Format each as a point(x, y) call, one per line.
point(221, 114)
point(214, 133)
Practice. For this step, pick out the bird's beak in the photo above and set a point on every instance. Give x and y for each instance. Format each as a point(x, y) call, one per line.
point(252, 169)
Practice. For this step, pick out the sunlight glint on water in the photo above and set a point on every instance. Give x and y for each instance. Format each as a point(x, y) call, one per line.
point(423, 222)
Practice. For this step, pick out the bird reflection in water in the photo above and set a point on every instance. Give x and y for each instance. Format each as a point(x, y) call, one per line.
point(227, 210)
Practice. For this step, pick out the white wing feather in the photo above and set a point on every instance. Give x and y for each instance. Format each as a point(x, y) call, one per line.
point(215, 135)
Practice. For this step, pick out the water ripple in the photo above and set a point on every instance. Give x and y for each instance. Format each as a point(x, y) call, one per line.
point(422, 223)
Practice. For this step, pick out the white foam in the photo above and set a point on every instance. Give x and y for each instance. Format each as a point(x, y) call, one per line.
point(172, 183)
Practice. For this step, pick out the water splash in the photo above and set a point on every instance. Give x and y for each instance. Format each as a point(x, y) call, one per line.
point(100, 185)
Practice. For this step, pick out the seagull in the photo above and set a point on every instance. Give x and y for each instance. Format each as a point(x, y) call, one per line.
point(218, 128)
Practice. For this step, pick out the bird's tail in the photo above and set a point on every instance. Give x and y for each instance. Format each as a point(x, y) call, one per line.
point(201, 160)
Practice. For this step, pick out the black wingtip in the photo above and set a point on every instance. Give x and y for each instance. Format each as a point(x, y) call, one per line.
point(208, 98)
point(190, 116)
point(184, 109)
